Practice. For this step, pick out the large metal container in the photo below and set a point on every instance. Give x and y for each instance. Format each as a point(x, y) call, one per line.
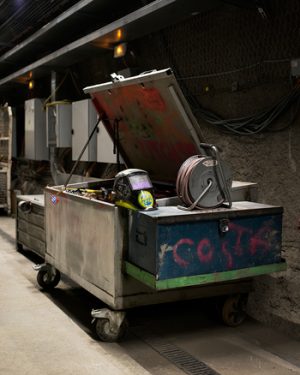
point(90, 240)
point(129, 258)
point(175, 248)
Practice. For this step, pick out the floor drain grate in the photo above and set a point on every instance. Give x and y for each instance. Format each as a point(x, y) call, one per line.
point(184, 360)
point(180, 358)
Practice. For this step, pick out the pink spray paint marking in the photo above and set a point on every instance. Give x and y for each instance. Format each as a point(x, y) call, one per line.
point(177, 258)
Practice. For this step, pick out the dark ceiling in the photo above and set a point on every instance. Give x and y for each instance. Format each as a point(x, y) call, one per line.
point(37, 36)
point(36, 28)
point(21, 18)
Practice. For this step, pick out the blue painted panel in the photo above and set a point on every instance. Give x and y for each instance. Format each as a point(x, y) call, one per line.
point(199, 247)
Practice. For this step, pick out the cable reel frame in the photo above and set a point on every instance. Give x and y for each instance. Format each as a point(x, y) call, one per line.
point(204, 181)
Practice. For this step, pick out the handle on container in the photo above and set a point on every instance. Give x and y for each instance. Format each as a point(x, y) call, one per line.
point(215, 150)
point(25, 206)
point(141, 237)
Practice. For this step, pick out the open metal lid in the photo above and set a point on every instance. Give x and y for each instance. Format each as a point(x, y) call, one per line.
point(149, 118)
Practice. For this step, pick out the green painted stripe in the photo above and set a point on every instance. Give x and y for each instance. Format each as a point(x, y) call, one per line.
point(141, 275)
point(179, 282)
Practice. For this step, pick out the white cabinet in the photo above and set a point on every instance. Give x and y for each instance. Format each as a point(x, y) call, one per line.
point(100, 147)
point(84, 118)
point(59, 124)
point(35, 130)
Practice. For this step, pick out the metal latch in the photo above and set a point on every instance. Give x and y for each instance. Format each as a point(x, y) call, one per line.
point(224, 226)
point(116, 77)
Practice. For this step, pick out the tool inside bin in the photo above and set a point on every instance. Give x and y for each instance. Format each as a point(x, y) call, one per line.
point(104, 190)
point(133, 189)
point(155, 131)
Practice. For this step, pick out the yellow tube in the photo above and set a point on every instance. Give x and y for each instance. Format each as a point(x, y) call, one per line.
point(127, 205)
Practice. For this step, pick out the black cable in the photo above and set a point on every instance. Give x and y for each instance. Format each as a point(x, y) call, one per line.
point(256, 123)
point(248, 125)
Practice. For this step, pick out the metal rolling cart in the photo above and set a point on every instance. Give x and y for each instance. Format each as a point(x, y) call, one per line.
point(130, 257)
point(30, 226)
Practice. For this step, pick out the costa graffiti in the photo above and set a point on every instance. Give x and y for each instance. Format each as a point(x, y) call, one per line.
point(205, 250)
point(180, 261)
point(239, 241)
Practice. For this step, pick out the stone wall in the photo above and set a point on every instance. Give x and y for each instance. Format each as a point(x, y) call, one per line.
point(236, 63)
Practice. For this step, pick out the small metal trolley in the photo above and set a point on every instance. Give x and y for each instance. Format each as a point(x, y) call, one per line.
point(30, 223)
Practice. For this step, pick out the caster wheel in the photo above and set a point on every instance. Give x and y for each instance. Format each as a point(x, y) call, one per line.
point(46, 280)
point(107, 333)
point(234, 310)
point(19, 246)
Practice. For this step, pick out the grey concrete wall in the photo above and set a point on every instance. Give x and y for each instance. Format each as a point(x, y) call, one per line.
point(257, 52)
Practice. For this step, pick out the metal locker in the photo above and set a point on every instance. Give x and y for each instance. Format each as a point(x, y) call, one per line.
point(59, 124)
point(84, 118)
point(35, 130)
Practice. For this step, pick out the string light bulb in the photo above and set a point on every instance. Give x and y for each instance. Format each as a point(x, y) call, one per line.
point(31, 84)
point(120, 50)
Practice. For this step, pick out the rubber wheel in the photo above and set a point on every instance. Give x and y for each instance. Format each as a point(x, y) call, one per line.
point(19, 246)
point(47, 282)
point(234, 310)
point(106, 334)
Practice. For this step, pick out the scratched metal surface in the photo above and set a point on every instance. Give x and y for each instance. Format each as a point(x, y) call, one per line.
point(87, 240)
point(197, 247)
point(157, 130)
point(30, 225)
point(192, 249)
point(237, 209)
point(80, 238)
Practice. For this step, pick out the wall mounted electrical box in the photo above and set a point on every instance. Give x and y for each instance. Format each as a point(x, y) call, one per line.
point(100, 147)
point(35, 130)
point(84, 118)
point(59, 124)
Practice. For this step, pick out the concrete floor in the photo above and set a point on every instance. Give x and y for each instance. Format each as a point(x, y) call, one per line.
point(42, 333)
